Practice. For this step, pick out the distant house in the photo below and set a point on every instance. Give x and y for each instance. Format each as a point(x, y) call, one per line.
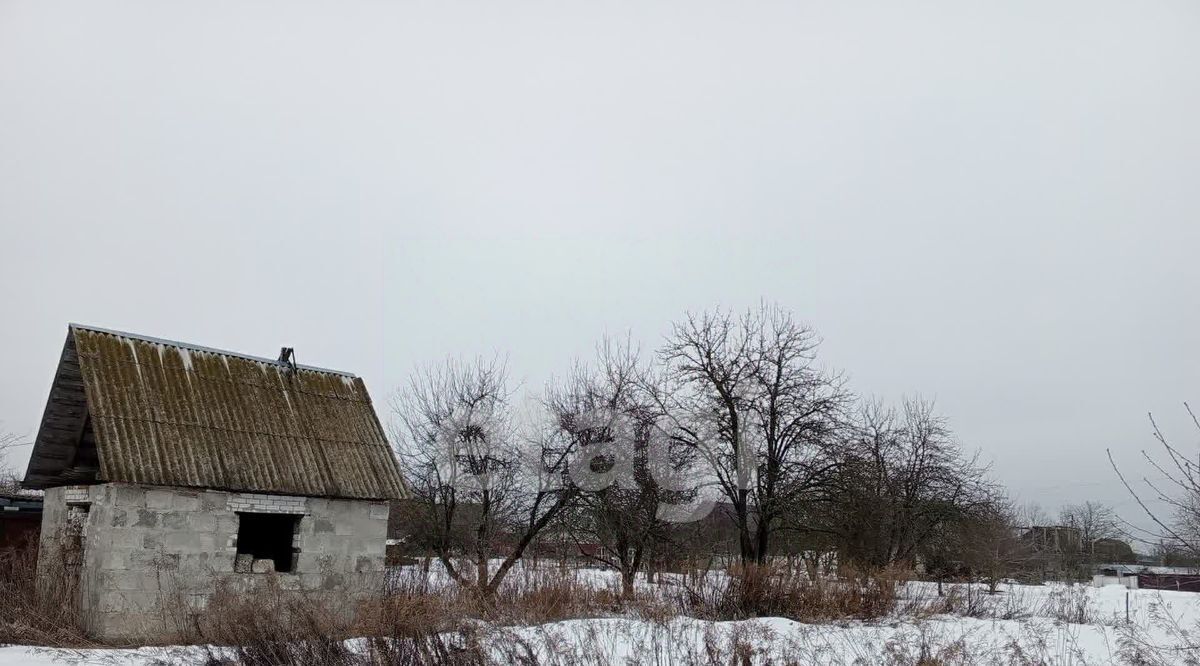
point(1113, 550)
point(172, 471)
point(1059, 539)
point(1053, 539)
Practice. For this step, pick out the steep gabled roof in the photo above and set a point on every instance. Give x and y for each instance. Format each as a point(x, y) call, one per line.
point(136, 409)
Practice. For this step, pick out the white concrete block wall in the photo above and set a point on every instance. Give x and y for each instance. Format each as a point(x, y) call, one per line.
point(147, 547)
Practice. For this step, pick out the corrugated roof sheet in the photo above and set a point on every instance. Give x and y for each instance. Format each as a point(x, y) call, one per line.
point(168, 413)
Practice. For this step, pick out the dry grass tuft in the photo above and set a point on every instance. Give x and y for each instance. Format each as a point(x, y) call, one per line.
point(781, 591)
point(33, 614)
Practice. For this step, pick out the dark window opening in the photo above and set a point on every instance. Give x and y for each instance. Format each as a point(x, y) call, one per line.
point(268, 536)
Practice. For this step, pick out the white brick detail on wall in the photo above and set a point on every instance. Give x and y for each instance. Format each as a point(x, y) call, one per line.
point(257, 503)
point(76, 495)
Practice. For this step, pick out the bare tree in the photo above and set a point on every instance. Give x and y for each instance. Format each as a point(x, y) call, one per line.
point(487, 488)
point(1171, 554)
point(795, 415)
point(980, 544)
point(10, 479)
point(1178, 488)
point(904, 482)
point(710, 368)
point(1093, 520)
point(1030, 514)
point(610, 421)
point(991, 547)
point(746, 395)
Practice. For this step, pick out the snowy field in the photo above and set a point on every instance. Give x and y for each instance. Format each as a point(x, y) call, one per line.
point(1022, 624)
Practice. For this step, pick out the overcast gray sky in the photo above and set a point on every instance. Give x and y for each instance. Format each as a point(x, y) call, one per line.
point(995, 204)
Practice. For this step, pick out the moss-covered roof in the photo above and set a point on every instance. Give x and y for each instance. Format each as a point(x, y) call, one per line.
point(135, 409)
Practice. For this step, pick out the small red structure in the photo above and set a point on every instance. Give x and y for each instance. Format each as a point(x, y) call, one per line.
point(1169, 581)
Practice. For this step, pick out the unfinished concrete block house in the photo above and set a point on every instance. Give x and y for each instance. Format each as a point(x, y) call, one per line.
point(172, 472)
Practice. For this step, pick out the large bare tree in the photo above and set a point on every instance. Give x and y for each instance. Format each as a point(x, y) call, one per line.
point(746, 394)
point(1093, 520)
point(486, 485)
point(603, 409)
point(795, 415)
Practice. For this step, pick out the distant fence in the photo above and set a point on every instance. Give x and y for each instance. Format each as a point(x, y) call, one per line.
point(1180, 582)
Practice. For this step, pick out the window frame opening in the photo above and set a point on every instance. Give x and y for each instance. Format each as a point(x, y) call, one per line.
point(268, 536)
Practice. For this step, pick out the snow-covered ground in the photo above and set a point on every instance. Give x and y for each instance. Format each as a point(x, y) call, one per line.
point(1023, 624)
point(951, 638)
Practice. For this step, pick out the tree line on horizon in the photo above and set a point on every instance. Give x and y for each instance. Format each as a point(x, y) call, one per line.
point(731, 411)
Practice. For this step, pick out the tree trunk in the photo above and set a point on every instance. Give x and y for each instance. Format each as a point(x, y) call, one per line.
point(481, 569)
point(745, 542)
point(763, 536)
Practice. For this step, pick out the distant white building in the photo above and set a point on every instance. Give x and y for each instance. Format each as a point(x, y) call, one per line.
point(1124, 575)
